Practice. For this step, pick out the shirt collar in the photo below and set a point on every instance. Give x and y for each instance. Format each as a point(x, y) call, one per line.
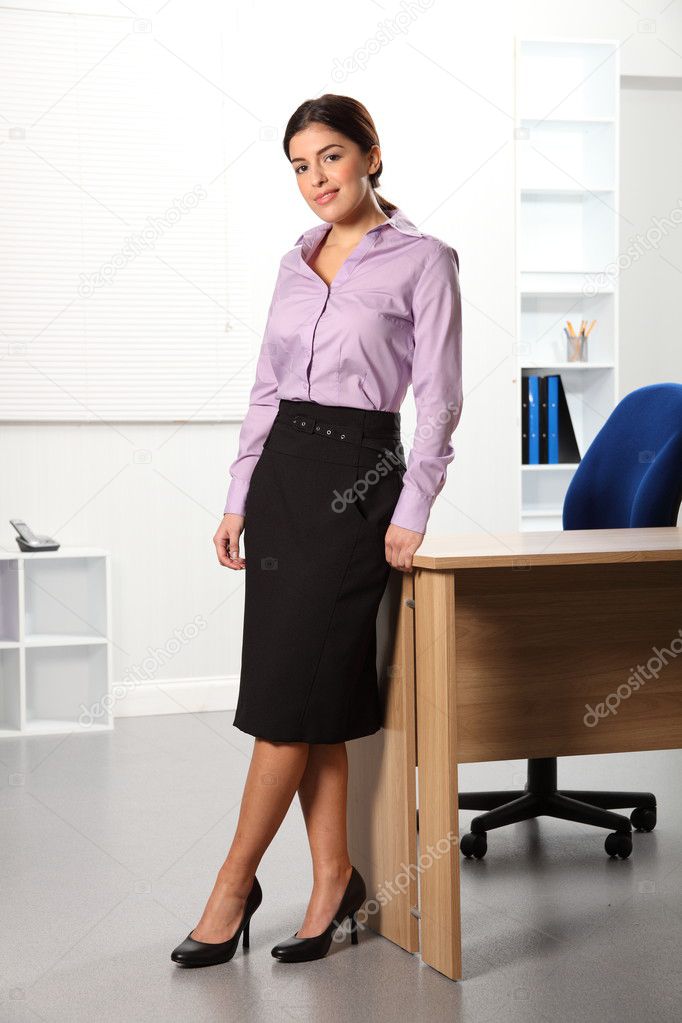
point(397, 220)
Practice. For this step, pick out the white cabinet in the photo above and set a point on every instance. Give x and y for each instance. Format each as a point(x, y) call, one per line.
point(55, 648)
point(567, 123)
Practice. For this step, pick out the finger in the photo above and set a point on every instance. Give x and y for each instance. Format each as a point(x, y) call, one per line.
point(233, 549)
point(225, 548)
point(221, 551)
point(404, 559)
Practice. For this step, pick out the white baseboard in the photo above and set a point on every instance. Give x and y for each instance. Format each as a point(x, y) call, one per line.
point(175, 696)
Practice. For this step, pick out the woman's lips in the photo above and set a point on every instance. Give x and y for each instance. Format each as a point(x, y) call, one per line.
point(327, 197)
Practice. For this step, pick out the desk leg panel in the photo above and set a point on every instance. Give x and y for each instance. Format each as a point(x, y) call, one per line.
point(382, 790)
point(439, 904)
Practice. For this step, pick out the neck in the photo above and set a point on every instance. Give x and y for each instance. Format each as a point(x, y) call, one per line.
point(351, 229)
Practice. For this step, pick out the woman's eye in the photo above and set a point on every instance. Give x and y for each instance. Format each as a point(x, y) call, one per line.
point(329, 156)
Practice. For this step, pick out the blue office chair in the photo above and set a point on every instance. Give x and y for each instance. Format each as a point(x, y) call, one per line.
point(630, 476)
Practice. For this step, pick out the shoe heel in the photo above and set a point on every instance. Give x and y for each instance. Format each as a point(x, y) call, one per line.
point(245, 939)
point(353, 929)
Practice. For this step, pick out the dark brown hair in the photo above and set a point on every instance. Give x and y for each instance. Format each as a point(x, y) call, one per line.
point(345, 115)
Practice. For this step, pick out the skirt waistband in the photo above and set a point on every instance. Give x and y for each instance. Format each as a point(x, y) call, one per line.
point(342, 421)
point(352, 436)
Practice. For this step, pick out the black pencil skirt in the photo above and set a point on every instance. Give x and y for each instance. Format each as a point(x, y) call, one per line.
point(318, 506)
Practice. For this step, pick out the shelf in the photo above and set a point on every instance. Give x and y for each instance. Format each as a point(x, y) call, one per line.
point(565, 232)
point(572, 79)
point(552, 523)
point(565, 157)
point(63, 552)
point(560, 466)
point(48, 639)
point(64, 597)
point(567, 366)
point(585, 284)
point(9, 601)
point(573, 122)
point(55, 655)
point(65, 682)
point(568, 273)
point(566, 173)
point(10, 689)
point(565, 293)
point(537, 513)
point(561, 191)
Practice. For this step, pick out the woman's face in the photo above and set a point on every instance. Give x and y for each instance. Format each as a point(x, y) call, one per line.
point(325, 161)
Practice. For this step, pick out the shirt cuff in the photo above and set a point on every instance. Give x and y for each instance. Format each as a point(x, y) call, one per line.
point(412, 510)
point(236, 497)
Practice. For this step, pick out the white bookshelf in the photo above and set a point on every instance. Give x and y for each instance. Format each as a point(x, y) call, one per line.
point(567, 132)
point(55, 651)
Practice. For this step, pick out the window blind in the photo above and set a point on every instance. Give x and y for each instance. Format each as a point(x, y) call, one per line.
point(123, 259)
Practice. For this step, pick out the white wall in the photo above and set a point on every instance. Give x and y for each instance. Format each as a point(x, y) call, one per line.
point(651, 239)
point(441, 92)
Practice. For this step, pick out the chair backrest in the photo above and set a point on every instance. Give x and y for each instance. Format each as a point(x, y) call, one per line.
point(631, 475)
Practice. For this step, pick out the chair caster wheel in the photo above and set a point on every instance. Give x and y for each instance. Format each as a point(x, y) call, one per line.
point(643, 819)
point(474, 845)
point(619, 844)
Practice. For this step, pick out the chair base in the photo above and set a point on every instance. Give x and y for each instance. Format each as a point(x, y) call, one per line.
point(541, 798)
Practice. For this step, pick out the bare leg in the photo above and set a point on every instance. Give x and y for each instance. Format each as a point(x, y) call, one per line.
point(274, 775)
point(323, 794)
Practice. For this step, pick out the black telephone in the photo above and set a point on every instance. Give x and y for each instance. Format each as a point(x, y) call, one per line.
point(28, 541)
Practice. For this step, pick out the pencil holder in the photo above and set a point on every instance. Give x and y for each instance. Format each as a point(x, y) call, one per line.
point(576, 349)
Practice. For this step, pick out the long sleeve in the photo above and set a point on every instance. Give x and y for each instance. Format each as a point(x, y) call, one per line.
point(436, 385)
point(263, 404)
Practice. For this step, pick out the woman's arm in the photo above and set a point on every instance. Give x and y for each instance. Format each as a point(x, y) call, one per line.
point(436, 385)
point(263, 404)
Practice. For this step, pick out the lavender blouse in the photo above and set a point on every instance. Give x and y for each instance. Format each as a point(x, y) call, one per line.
point(392, 316)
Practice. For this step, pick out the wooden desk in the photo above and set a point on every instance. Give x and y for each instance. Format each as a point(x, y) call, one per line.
point(492, 649)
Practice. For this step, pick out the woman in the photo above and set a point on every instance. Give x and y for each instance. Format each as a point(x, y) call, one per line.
point(364, 304)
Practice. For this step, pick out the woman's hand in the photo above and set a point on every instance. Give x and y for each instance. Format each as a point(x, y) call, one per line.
point(401, 544)
point(226, 541)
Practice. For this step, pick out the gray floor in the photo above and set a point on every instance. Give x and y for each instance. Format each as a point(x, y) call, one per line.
point(111, 843)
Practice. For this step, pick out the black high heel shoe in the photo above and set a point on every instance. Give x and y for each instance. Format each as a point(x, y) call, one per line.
point(302, 950)
point(191, 952)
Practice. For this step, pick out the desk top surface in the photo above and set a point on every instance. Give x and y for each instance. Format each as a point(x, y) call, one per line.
point(549, 547)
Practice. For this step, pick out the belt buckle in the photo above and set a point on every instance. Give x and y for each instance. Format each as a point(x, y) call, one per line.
point(342, 433)
point(324, 429)
point(303, 422)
